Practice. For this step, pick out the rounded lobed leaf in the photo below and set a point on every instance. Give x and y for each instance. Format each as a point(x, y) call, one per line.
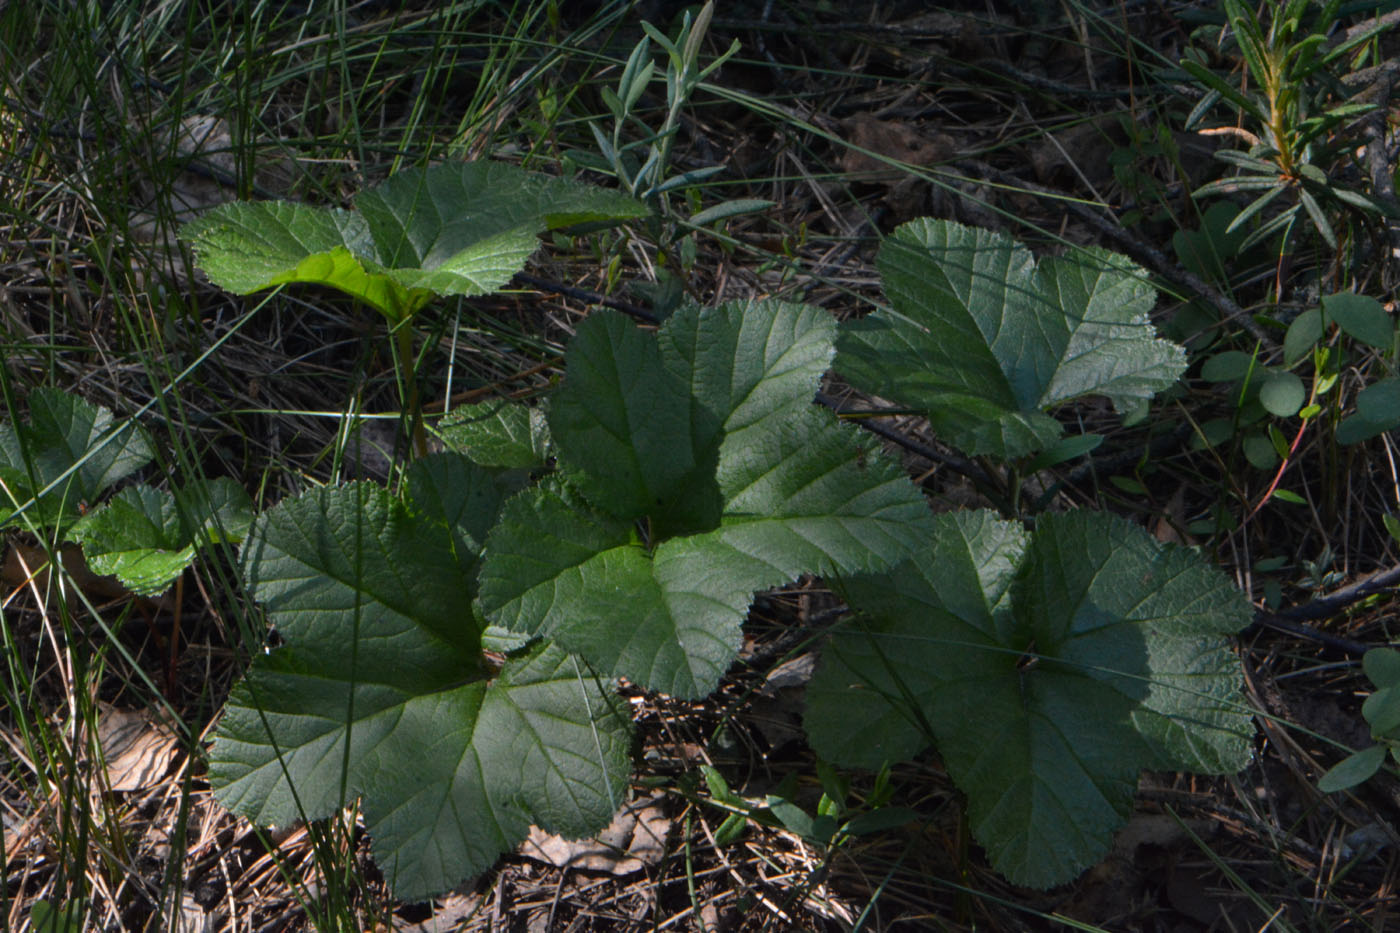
point(381, 691)
point(450, 229)
point(985, 342)
point(1089, 651)
point(147, 538)
point(452, 773)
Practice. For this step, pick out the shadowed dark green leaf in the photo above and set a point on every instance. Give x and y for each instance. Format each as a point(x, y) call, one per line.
point(1382, 666)
point(621, 421)
point(1282, 394)
point(1090, 651)
point(381, 692)
point(656, 590)
point(1302, 336)
point(1379, 403)
point(1352, 770)
point(67, 453)
point(1362, 318)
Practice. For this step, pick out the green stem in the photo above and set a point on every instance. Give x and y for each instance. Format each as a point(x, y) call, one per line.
point(408, 380)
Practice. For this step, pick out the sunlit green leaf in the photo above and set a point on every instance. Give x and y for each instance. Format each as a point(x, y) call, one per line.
point(146, 538)
point(451, 229)
point(986, 341)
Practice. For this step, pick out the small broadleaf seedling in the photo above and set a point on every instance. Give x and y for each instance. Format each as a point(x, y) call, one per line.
point(1049, 669)
point(146, 537)
point(458, 228)
point(985, 341)
point(55, 468)
point(1382, 713)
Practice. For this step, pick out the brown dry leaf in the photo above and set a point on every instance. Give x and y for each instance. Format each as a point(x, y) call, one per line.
point(23, 561)
point(1167, 527)
point(635, 839)
point(794, 672)
point(894, 141)
point(1079, 153)
point(137, 749)
point(1158, 829)
point(1122, 882)
point(450, 913)
point(202, 148)
point(776, 710)
point(191, 918)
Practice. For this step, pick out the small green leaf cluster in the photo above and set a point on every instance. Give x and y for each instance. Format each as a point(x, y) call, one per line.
point(1367, 324)
point(642, 166)
point(56, 466)
point(836, 819)
point(1256, 391)
point(1294, 101)
point(1326, 336)
point(1382, 711)
point(448, 650)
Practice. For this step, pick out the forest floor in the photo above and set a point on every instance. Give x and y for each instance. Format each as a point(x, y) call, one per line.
point(1058, 123)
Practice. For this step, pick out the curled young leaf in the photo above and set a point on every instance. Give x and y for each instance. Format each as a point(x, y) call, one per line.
point(450, 229)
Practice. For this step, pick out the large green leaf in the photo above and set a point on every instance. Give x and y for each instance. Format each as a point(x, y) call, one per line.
point(451, 229)
point(147, 537)
point(1050, 670)
point(66, 455)
point(381, 691)
point(746, 485)
point(986, 342)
